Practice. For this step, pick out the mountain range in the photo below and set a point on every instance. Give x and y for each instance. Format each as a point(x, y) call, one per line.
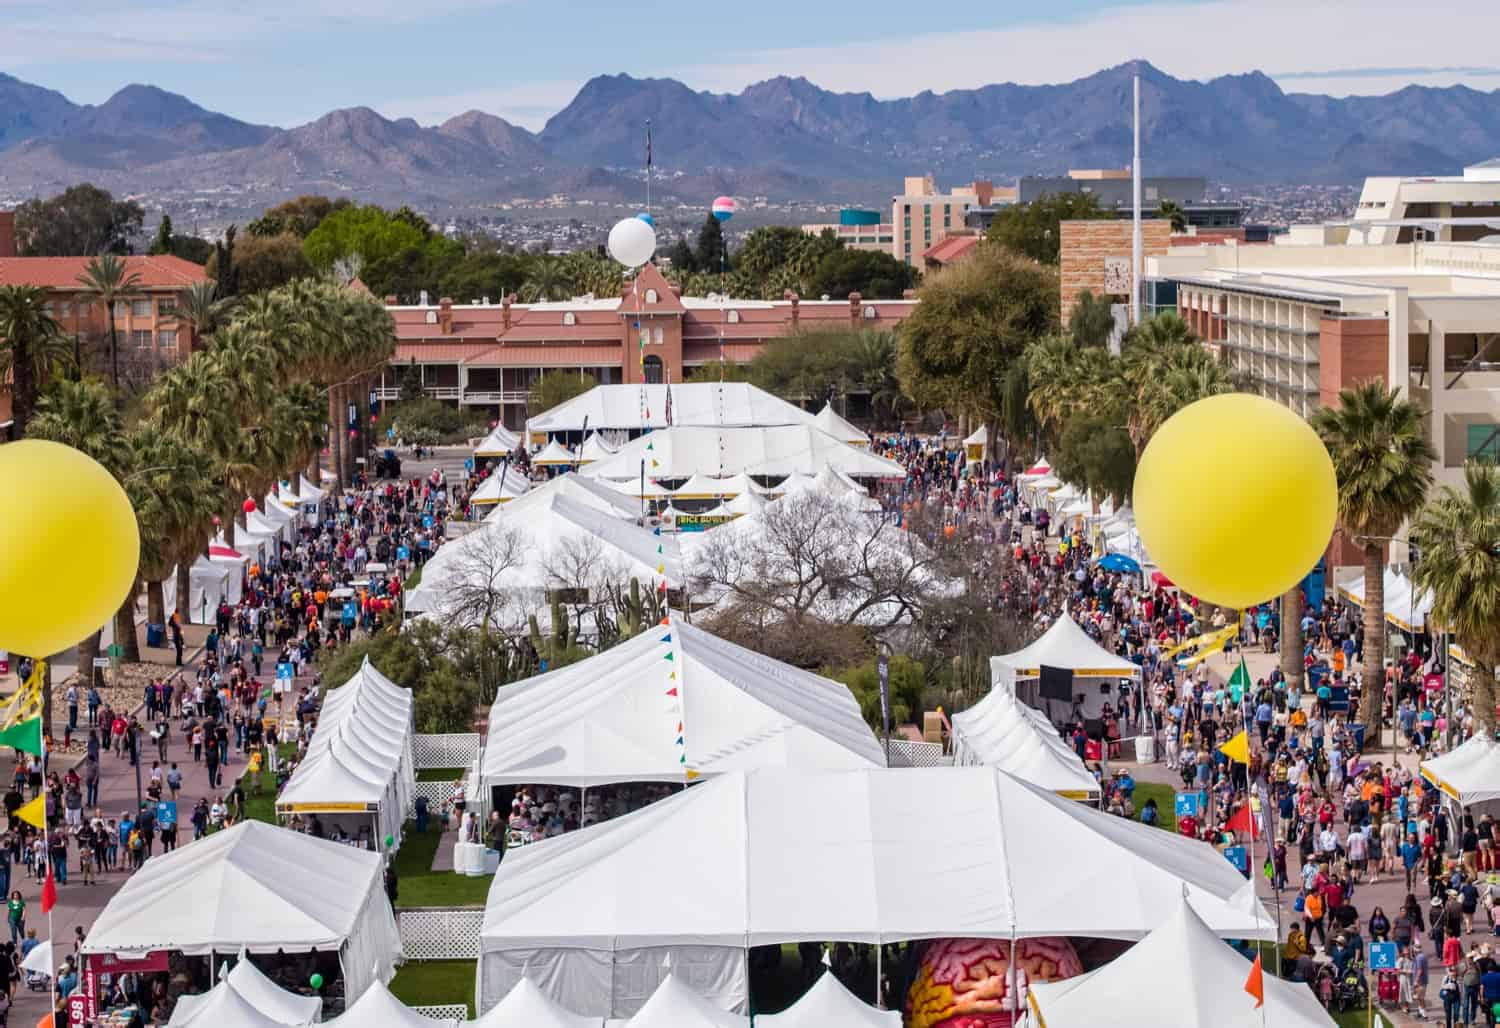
point(784, 138)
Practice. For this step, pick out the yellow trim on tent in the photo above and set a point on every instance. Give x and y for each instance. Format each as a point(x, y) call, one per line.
point(1444, 786)
point(326, 808)
point(1077, 794)
point(1081, 672)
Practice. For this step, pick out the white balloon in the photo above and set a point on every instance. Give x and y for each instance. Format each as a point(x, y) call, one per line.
point(632, 242)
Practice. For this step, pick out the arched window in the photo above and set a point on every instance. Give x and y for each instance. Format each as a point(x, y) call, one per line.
point(869, 312)
point(432, 317)
point(733, 317)
point(652, 371)
point(656, 336)
point(570, 318)
point(651, 296)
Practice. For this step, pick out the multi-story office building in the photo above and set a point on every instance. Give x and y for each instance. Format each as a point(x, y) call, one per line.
point(921, 216)
point(858, 229)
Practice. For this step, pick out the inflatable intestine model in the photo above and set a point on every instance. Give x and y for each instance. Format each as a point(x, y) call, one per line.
point(966, 983)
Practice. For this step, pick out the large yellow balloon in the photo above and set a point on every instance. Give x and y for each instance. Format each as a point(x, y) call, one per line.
point(69, 547)
point(1235, 499)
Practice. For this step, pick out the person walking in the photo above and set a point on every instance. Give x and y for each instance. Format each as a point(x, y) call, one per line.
point(177, 635)
point(1451, 994)
point(211, 762)
point(15, 909)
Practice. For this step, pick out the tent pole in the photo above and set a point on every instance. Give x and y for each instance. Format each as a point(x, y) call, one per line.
point(879, 975)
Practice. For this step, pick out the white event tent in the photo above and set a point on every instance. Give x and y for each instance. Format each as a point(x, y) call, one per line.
point(675, 1004)
point(261, 889)
point(594, 448)
point(500, 488)
point(830, 1004)
point(219, 576)
point(248, 985)
point(1179, 976)
point(831, 422)
point(261, 522)
point(527, 1006)
point(223, 1007)
point(254, 546)
point(747, 859)
point(377, 1007)
point(500, 442)
point(612, 718)
point(1468, 774)
point(1000, 731)
point(602, 496)
point(706, 404)
point(1063, 645)
point(681, 452)
point(358, 773)
point(554, 455)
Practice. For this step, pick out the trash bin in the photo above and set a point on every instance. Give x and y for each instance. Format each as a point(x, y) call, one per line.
point(1358, 731)
point(1145, 749)
point(156, 635)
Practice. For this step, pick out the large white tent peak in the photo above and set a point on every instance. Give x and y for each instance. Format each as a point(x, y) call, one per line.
point(614, 717)
point(554, 454)
point(675, 1005)
point(717, 404)
point(527, 1006)
point(224, 1007)
point(274, 1004)
point(1064, 645)
point(1470, 773)
point(681, 452)
point(830, 1004)
point(498, 443)
point(501, 488)
point(586, 492)
point(1001, 731)
point(1179, 976)
point(377, 1007)
point(831, 422)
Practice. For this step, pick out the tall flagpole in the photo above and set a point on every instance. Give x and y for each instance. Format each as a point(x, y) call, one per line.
point(1135, 225)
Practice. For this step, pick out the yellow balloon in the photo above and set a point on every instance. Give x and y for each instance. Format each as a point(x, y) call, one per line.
point(1235, 499)
point(69, 547)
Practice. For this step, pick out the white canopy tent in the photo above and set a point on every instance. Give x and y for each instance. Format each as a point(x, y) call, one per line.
point(834, 483)
point(500, 488)
point(829, 421)
point(261, 889)
point(1352, 587)
point(699, 487)
point(1179, 976)
point(377, 1007)
point(704, 404)
point(498, 443)
point(610, 718)
point(1406, 608)
point(282, 512)
point(829, 1004)
point(746, 503)
point(255, 547)
point(219, 576)
point(595, 448)
point(527, 1006)
point(1468, 774)
point(675, 1004)
point(262, 523)
point(738, 485)
point(358, 771)
point(602, 496)
point(223, 1007)
point(682, 452)
point(1002, 732)
point(743, 860)
point(1063, 645)
point(554, 455)
point(251, 986)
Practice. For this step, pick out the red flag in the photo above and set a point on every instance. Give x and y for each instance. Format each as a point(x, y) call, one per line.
point(1255, 985)
point(1243, 821)
point(49, 892)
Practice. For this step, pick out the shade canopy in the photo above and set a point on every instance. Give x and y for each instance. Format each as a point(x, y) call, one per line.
point(674, 1004)
point(223, 1007)
point(748, 859)
point(831, 422)
point(1063, 645)
point(247, 983)
point(1353, 587)
point(527, 1006)
point(500, 442)
point(586, 492)
point(39, 960)
point(1000, 731)
point(830, 1004)
point(554, 454)
point(636, 407)
point(377, 1007)
point(501, 488)
point(218, 577)
point(673, 700)
point(682, 452)
point(1470, 773)
point(595, 448)
point(979, 437)
point(1179, 976)
point(258, 888)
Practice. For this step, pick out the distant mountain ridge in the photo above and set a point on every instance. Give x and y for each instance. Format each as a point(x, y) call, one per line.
point(785, 138)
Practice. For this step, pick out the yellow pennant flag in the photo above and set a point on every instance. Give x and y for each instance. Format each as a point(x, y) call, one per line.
point(692, 775)
point(1238, 748)
point(35, 812)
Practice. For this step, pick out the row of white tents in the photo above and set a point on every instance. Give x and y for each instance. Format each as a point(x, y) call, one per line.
point(1406, 606)
point(358, 772)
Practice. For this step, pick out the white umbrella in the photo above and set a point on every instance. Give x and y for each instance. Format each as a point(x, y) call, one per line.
point(39, 960)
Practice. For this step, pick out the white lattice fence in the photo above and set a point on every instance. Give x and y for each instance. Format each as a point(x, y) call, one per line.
point(437, 794)
point(445, 1012)
point(454, 749)
point(441, 934)
point(905, 753)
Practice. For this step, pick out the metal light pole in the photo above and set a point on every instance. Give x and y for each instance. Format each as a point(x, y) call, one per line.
point(1135, 226)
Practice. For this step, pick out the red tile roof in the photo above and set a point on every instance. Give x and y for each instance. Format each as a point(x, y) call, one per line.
point(650, 277)
point(573, 355)
point(438, 352)
point(61, 273)
point(950, 249)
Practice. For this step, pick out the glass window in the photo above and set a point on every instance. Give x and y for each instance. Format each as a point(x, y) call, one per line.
point(167, 338)
point(64, 308)
point(121, 308)
point(1484, 442)
point(656, 336)
point(167, 306)
point(141, 337)
point(140, 308)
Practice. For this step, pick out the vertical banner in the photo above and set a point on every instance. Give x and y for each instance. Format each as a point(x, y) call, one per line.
point(883, 666)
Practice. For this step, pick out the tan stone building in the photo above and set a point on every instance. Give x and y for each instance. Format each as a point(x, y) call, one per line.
point(1095, 256)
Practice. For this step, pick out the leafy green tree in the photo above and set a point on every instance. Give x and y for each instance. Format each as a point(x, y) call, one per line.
point(1092, 321)
point(908, 681)
point(974, 322)
point(1171, 210)
point(262, 263)
point(201, 311)
point(108, 280)
point(557, 388)
point(1458, 532)
point(1032, 229)
point(299, 216)
point(719, 371)
point(370, 232)
point(684, 261)
point(549, 280)
point(1095, 453)
point(1383, 462)
point(479, 275)
point(32, 346)
point(81, 221)
point(874, 276)
point(712, 254)
point(162, 243)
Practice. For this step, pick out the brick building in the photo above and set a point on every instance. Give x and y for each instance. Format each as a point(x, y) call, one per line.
point(489, 355)
point(1095, 255)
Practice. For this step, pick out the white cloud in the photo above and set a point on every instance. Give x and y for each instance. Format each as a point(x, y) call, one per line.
point(528, 104)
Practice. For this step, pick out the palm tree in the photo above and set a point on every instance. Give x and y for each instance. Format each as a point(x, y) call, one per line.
point(201, 310)
point(1384, 466)
point(108, 280)
point(548, 280)
point(1459, 536)
point(172, 488)
point(874, 367)
point(83, 415)
point(31, 344)
point(1291, 642)
point(1053, 376)
point(1171, 210)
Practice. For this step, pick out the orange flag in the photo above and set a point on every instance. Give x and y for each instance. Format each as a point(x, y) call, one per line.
point(1255, 985)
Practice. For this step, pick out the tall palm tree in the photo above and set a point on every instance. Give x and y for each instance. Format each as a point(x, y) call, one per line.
point(1459, 535)
point(1171, 210)
point(874, 367)
point(83, 415)
point(31, 345)
point(1292, 669)
point(1052, 370)
point(549, 280)
point(201, 310)
point(108, 280)
point(1384, 466)
point(171, 486)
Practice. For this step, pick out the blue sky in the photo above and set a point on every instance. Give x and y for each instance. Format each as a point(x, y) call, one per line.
point(287, 61)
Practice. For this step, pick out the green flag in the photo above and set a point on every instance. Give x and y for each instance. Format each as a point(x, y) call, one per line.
point(23, 735)
point(1239, 682)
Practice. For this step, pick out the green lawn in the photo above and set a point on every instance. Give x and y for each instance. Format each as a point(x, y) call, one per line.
point(440, 774)
point(417, 885)
point(1165, 798)
point(427, 983)
point(260, 789)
